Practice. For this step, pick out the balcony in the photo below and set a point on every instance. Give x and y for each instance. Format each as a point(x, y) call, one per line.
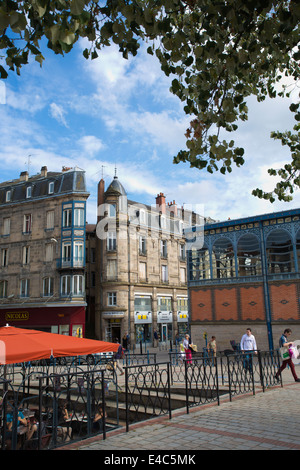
point(65, 263)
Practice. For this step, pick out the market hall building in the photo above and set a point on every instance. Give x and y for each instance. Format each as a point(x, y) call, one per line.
point(245, 273)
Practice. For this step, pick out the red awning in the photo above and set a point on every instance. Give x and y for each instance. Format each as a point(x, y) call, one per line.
point(22, 345)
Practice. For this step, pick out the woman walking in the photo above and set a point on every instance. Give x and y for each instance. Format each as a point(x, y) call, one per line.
point(187, 348)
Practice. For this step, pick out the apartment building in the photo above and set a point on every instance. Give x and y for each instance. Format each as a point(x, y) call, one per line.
point(42, 251)
point(141, 278)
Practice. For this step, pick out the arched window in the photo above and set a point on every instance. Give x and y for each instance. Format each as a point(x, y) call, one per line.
point(199, 264)
point(223, 259)
point(279, 249)
point(249, 256)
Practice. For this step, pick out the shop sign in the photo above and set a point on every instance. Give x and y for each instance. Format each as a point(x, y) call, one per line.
point(16, 316)
point(182, 317)
point(142, 317)
point(115, 314)
point(164, 317)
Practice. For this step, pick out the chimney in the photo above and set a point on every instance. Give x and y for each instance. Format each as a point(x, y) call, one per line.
point(44, 171)
point(161, 203)
point(24, 176)
point(101, 187)
point(172, 207)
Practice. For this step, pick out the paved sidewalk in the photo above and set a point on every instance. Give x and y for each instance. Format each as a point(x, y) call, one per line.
point(247, 423)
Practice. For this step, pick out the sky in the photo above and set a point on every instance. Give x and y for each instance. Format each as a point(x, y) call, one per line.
point(112, 114)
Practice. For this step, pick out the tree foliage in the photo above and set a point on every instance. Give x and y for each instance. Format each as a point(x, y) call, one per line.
point(219, 52)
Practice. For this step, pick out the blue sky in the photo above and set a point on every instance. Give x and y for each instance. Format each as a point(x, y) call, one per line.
point(114, 112)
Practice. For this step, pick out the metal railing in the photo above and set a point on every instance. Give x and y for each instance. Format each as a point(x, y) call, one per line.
point(151, 389)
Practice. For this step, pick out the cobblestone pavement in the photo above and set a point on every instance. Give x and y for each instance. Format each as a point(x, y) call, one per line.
point(252, 422)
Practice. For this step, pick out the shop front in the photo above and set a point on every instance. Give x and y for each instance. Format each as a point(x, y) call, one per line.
point(143, 328)
point(62, 320)
point(113, 326)
point(165, 326)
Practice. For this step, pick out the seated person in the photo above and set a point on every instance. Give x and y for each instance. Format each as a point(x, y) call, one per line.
point(21, 420)
point(63, 430)
point(98, 420)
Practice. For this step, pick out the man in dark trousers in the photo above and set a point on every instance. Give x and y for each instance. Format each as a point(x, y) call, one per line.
point(284, 343)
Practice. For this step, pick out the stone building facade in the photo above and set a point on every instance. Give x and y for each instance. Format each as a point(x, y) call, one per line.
point(245, 273)
point(42, 251)
point(141, 280)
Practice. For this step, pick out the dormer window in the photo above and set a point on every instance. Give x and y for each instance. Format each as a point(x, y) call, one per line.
point(8, 195)
point(28, 192)
point(51, 187)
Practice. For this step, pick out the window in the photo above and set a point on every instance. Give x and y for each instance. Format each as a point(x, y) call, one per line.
point(249, 257)
point(111, 299)
point(26, 255)
point(182, 304)
point(51, 187)
point(49, 252)
point(24, 290)
point(142, 303)
point(223, 259)
point(111, 241)
point(112, 269)
point(163, 248)
point(78, 285)
point(142, 245)
point(142, 271)
point(66, 285)
point(27, 223)
point(182, 275)
point(67, 218)
point(48, 283)
point(164, 304)
point(199, 263)
point(164, 273)
point(66, 253)
point(8, 196)
point(28, 192)
point(6, 226)
point(3, 289)
point(163, 222)
point(78, 254)
point(79, 217)
point(4, 257)
point(182, 252)
point(142, 217)
point(93, 255)
point(50, 220)
point(279, 248)
point(112, 210)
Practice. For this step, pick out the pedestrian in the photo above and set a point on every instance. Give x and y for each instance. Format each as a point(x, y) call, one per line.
point(118, 358)
point(125, 341)
point(284, 343)
point(248, 346)
point(212, 348)
point(187, 348)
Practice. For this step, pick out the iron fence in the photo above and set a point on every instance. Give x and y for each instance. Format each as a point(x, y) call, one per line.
point(147, 392)
point(151, 389)
point(58, 408)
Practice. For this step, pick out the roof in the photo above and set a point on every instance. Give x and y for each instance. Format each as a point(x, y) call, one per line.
point(65, 182)
point(116, 187)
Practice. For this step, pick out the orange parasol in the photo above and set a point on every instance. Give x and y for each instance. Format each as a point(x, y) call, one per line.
point(22, 345)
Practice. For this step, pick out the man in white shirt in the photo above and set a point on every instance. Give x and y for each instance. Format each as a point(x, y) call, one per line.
point(248, 344)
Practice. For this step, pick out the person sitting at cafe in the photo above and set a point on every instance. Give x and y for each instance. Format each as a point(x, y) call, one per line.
point(98, 420)
point(21, 421)
point(63, 429)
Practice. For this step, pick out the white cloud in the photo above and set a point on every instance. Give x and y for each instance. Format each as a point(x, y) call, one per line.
point(90, 144)
point(58, 113)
